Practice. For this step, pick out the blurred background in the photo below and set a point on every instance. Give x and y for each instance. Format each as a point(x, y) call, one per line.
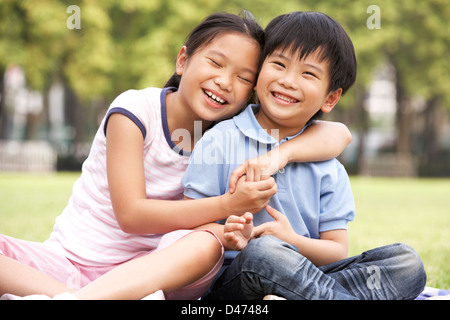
point(63, 62)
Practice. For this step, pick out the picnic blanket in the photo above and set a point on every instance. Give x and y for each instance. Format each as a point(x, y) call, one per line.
point(434, 294)
point(428, 293)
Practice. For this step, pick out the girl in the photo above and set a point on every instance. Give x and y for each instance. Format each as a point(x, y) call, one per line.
point(122, 234)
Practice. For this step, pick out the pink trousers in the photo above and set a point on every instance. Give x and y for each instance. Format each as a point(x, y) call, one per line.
point(53, 262)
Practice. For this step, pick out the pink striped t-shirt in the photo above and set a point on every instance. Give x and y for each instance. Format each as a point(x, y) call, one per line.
point(87, 231)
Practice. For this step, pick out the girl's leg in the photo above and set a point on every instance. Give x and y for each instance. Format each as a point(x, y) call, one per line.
point(173, 267)
point(21, 280)
point(32, 268)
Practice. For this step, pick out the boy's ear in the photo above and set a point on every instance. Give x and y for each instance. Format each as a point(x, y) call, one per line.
point(181, 60)
point(331, 100)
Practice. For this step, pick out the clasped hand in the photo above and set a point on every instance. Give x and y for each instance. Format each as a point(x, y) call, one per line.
point(238, 230)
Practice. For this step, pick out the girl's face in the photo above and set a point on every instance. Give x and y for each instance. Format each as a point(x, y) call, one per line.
point(218, 78)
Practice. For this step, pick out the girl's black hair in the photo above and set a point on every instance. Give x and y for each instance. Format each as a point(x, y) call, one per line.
point(214, 25)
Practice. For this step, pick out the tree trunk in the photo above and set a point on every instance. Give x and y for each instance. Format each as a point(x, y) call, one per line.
point(431, 129)
point(404, 162)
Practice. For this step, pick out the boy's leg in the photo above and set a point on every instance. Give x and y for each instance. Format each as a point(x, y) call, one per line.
point(268, 265)
point(393, 272)
point(32, 268)
point(183, 262)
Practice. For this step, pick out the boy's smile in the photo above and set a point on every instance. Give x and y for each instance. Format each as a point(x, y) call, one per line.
point(291, 91)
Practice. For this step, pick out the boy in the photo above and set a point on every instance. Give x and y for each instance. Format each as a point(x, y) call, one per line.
point(300, 245)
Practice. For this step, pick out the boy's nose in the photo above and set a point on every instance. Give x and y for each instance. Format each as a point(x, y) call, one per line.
point(288, 82)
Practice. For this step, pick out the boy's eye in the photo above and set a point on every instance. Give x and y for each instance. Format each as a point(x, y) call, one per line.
point(310, 74)
point(278, 63)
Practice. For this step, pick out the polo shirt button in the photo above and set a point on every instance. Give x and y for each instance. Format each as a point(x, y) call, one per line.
point(282, 170)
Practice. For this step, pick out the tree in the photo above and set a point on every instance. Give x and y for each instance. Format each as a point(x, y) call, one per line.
point(133, 44)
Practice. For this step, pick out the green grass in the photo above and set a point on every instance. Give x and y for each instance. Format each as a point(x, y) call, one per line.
point(412, 211)
point(30, 203)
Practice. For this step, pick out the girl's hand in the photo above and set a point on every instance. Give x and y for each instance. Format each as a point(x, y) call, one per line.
point(259, 168)
point(280, 228)
point(238, 230)
point(322, 140)
point(249, 196)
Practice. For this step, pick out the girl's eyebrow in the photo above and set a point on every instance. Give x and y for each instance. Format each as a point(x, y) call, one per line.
point(223, 56)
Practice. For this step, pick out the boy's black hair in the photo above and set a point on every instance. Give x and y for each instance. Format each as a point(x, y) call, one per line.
point(304, 33)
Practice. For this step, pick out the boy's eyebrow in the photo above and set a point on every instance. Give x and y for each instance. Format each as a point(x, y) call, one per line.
point(279, 54)
point(245, 69)
point(317, 68)
point(312, 65)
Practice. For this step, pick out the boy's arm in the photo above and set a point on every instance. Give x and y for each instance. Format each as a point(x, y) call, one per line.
point(322, 140)
point(332, 245)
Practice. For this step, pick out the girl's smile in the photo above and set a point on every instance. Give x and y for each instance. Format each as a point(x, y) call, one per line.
point(216, 81)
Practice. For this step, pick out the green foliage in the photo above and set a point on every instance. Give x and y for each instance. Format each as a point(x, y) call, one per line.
point(133, 44)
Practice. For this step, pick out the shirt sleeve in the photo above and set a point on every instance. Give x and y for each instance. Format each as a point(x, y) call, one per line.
point(337, 206)
point(206, 173)
point(134, 105)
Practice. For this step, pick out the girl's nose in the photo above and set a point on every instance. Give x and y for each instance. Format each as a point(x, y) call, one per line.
point(223, 82)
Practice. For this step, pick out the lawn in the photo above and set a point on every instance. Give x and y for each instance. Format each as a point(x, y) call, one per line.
point(413, 211)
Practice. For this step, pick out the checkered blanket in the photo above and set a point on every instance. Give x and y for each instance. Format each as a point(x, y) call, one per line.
point(434, 293)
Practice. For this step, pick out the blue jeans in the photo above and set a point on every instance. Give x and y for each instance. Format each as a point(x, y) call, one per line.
point(268, 265)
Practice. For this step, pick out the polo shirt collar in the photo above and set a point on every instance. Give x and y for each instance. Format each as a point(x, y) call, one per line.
point(246, 122)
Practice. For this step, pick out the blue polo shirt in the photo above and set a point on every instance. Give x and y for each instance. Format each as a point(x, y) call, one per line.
point(315, 196)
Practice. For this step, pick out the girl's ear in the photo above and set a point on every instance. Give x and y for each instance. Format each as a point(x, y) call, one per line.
point(181, 60)
point(331, 100)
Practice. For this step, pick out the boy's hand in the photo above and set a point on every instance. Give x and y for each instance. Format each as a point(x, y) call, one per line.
point(259, 168)
point(280, 228)
point(250, 196)
point(238, 230)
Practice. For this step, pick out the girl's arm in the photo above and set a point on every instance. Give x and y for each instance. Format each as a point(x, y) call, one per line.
point(322, 140)
point(139, 215)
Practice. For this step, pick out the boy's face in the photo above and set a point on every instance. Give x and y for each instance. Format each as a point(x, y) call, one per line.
point(291, 91)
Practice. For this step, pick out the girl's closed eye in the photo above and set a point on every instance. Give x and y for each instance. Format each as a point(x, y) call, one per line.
point(215, 63)
point(245, 79)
